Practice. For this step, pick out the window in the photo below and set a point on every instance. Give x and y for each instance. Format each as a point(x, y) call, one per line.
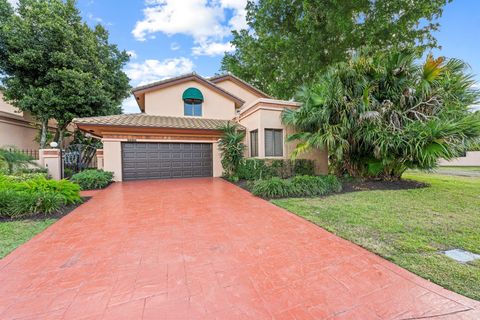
point(192, 108)
point(273, 142)
point(193, 99)
point(254, 143)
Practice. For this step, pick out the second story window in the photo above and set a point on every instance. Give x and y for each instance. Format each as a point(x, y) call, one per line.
point(193, 100)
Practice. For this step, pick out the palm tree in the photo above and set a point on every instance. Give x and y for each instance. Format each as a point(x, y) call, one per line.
point(231, 147)
point(14, 159)
point(380, 115)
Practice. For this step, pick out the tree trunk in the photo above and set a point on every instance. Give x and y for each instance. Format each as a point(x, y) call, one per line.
point(43, 134)
point(59, 134)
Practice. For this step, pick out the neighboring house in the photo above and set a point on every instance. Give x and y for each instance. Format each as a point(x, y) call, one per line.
point(176, 134)
point(16, 128)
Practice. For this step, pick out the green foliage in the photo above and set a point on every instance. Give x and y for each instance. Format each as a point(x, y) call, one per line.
point(381, 114)
point(19, 204)
point(299, 186)
point(254, 169)
point(14, 160)
point(20, 177)
point(92, 179)
point(231, 147)
point(56, 67)
point(290, 43)
point(36, 195)
point(273, 188)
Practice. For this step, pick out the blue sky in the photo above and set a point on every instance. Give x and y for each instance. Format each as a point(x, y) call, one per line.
point(171, 37)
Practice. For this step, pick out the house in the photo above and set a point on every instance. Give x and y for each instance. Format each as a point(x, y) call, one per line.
point(16, 128)
point(177, 131)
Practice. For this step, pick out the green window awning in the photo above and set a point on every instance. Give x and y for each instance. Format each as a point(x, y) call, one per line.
point(192, 94)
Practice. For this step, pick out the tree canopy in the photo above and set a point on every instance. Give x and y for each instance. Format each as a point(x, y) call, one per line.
point(56, 67)
point(289, 43)
point(381, 114)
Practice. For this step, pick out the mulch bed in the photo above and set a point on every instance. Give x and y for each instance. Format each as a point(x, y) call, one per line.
point(63, 211)
point(368, 185)
point(364, 185)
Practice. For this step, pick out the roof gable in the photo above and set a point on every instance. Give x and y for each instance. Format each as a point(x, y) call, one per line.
point(139, 92)
point(239, 82)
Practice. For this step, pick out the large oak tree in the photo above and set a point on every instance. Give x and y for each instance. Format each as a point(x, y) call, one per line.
point(56, 67)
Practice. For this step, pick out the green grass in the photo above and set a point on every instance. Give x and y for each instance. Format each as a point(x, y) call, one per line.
point(461, 169)
point(16, 233)
point(409, 227)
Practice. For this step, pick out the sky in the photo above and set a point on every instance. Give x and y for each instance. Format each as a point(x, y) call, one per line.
point(166, 38)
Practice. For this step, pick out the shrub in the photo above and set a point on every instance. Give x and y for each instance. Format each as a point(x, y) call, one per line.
point(255, 169)
point(299, 186)
point(70, 192)
point(231, 147)
point(92, 179)
point(19, 177)
point(19, 204)
point(273, 188)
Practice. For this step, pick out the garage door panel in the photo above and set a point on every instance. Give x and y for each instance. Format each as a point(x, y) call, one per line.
point(166, 160)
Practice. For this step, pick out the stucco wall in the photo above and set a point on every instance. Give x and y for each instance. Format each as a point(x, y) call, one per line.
point(14, 134)
point(271, 119)
point(112, 158)
point(472, 159)
point(168, 102)
point(238, 91)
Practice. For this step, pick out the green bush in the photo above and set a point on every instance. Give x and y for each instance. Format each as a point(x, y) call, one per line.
point(69, 191)
point(19, 204)
point(92, 179)
point(273, 188)
point(19, 177)
point(299, 186)
point(255, 169)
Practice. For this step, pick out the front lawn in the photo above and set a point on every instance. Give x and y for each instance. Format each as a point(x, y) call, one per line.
point(409, 227)
point(15, 233)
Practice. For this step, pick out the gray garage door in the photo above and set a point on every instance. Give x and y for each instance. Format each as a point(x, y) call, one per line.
point(166, 160)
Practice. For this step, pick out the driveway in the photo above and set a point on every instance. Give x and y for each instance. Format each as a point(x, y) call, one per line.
point(206, 249)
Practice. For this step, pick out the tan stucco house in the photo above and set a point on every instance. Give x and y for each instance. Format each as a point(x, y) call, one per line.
point(177, 131)
point(16, 128)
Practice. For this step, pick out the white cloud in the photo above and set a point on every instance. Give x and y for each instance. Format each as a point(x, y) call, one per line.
point(132, 54)
point(206, 21)
point(129, 105)
point(153, 70)
point(150, 71)
point(212, 49)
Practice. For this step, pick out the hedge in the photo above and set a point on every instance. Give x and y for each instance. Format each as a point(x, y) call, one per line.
point(299, 186)
point(92, 179)
point(255, 169)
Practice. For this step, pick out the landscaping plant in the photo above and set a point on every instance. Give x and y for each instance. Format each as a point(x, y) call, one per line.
point(299, 186)
point(255, 169)
point(92, 179)
point(36, 195)
point(14, 160)
point(231, 147)
point(382, 114)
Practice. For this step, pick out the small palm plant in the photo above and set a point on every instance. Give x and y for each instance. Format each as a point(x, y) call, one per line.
point(232, 148)
point(13, 159)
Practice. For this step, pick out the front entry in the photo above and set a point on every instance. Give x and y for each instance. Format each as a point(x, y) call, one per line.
point(158, 160)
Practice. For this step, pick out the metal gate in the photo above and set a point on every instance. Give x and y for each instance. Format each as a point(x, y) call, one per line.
point(76, 158)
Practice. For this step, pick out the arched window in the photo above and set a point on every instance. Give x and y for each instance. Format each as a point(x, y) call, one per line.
point(192, 102)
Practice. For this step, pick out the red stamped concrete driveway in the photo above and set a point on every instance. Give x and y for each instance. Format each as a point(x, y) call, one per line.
point(205, 249)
